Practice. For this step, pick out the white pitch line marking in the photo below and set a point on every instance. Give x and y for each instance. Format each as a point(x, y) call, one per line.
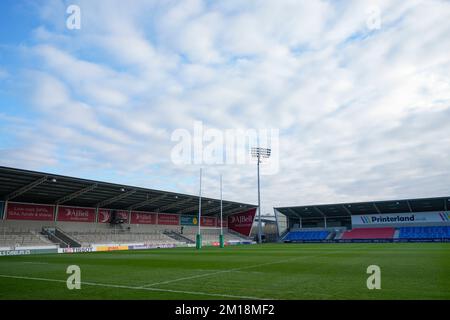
point(233, 270)
point(215, 273)
point(138, 288)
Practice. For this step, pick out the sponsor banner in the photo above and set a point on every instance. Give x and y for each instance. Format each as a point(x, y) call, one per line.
point(22, 211)
point(143, 218)
point(209, 222)
point(242, 222)
point(151, 246)
point(2, 207)
point(401, 218)
point(27, 252)
point(188, 220)
point(110, 248)
point(168, 219)
point(76, 214)
point(14, 252)
point(185, 245)
point(365, 240)
point(104, 215)
point(421, 240)
point(193, 221)
point(76, 250)
point(248, 242)
point(239, 242)
point(122, 214)
point(224, 223)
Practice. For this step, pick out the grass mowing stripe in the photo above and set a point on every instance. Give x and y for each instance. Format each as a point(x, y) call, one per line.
point(279, 271)
point(235, 269)
point(138, 288)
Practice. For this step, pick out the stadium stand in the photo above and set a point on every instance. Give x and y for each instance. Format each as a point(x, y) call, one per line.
point(211, 235)
point(27, 233)
point(39, 209)
point(426, 219)
point(107, 237)
point(11, 238)
point(306, 235)
point(369, 233)
point(104, 234)
point(434, 232)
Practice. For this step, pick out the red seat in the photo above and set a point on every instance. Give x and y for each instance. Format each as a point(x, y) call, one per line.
point(369, 233)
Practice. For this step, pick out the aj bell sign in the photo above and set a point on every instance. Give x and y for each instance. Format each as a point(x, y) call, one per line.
point(417, 217)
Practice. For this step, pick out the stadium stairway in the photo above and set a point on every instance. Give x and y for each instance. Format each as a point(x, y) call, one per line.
point(331, 235)
point(338, 235)
point(73, 243)
point(60, 238)
point(283, 235)
point(178, 237)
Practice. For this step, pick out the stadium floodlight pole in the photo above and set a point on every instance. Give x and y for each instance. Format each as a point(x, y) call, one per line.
point(259, 153)
point(221, 242)
point(198, 242)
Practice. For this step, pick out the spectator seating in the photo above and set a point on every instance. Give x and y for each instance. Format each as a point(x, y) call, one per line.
point(210, 235)
point(306, 235)
point(21, 238)
point(438, 232)
point(369, 233)
point(123, 236)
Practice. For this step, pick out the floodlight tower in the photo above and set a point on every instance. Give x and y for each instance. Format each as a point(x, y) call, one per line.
point(260, 153)
point(198, 238)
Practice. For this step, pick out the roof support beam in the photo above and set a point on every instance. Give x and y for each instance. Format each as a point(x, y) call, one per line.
point(346, 210)
point(236, 210)
point(376, 207)
point(189, 209)
point(301, 222)
point(146, 202)
point(205, 205)
point(409, 206)
point(76, 194)
point(212, 210)
point(319, 211)
point(26, 188)
point(174, 205)
point(114, 199)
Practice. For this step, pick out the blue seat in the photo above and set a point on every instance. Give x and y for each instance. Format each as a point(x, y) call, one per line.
point(306, 235)
point(432, 232)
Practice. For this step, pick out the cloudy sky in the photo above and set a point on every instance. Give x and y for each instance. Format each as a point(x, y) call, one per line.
point(359, 92)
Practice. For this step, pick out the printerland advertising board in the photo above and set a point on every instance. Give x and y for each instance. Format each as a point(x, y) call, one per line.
point(401, 218)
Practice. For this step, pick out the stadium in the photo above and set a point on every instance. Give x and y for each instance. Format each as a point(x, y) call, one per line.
point(224, 159)
point(137, 243)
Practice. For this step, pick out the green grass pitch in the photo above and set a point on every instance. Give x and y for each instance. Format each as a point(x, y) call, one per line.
point(270, 271)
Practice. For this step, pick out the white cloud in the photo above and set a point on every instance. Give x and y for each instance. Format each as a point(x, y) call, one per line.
point(361, 112)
